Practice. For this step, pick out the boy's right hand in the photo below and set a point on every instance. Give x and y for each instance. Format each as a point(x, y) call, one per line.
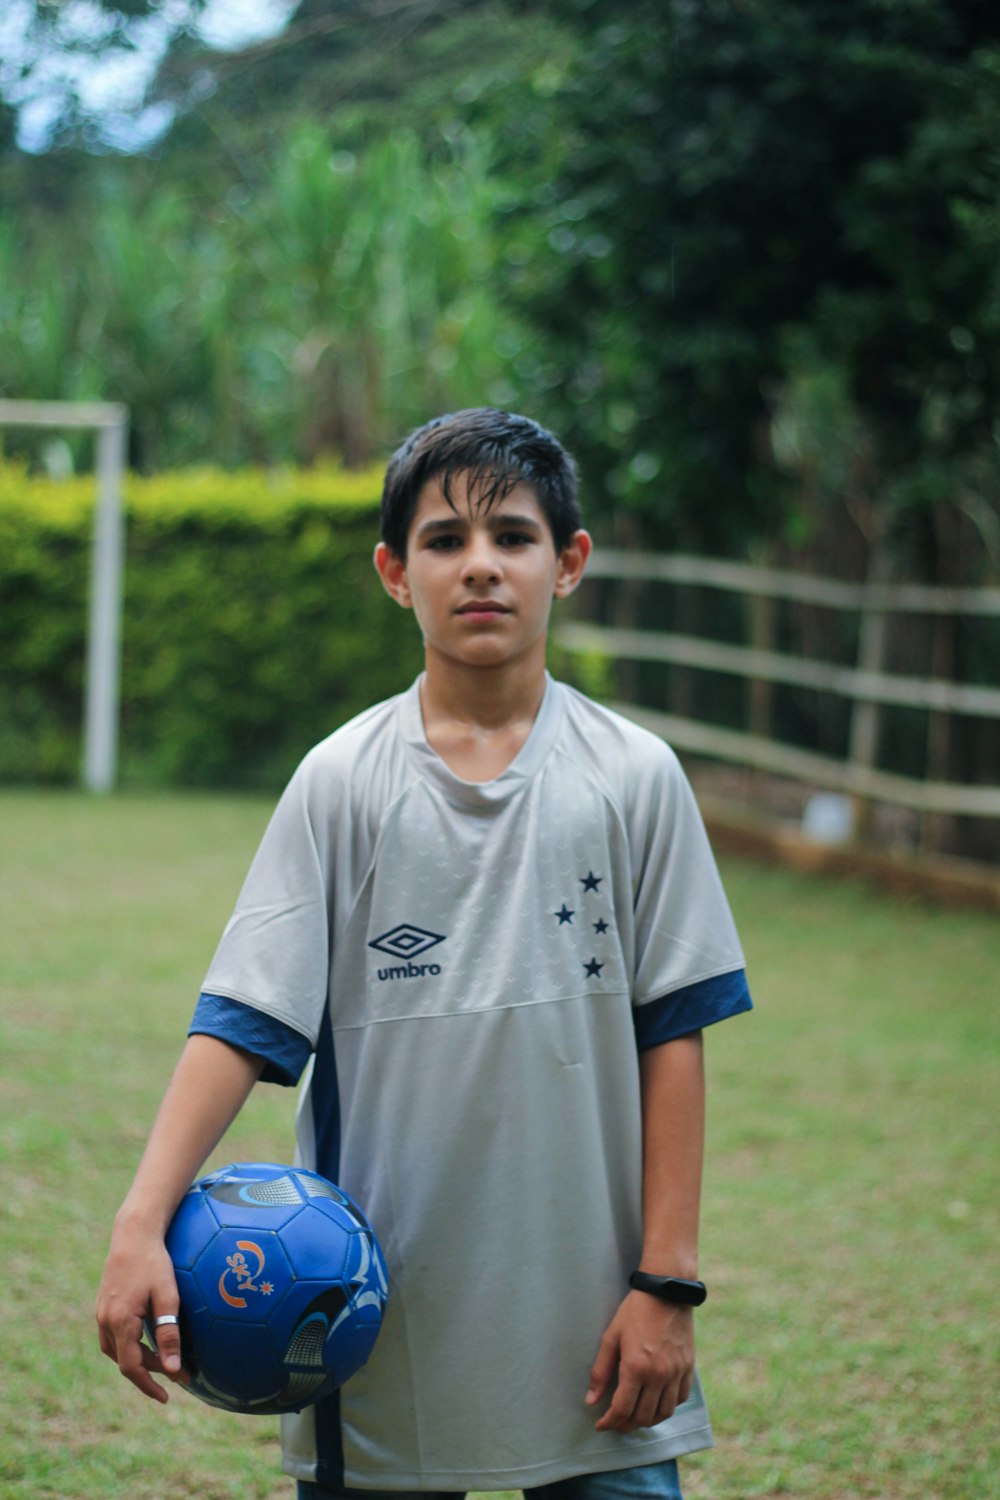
point(206, 1092)
point(138, 1281)
point(204, 1095)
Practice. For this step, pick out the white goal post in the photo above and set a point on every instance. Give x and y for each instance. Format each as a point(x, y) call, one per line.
point(99, 762)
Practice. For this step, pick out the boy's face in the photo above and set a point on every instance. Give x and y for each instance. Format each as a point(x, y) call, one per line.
point(481, 585)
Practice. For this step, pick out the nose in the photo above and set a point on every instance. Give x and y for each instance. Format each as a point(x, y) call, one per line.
point(482, 561)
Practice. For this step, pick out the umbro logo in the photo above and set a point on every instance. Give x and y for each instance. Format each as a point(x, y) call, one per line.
point(406, 940)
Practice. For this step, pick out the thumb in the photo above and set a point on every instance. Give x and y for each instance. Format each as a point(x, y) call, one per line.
point(168, 1338)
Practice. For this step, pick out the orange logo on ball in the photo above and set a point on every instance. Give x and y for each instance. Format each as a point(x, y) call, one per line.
point(240, 1277)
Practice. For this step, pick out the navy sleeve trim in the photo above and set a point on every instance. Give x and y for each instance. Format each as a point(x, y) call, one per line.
point(691, 1008)
point(285, 1051)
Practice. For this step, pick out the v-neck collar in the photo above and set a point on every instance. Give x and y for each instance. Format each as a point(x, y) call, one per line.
point(484, 795)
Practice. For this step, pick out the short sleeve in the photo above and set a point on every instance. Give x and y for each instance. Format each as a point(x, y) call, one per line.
point(274, 955)
point(284, 1051)
point(691, 1008)
point(685, 938)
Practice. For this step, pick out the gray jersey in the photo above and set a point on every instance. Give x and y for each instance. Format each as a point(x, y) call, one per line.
point(474, 967)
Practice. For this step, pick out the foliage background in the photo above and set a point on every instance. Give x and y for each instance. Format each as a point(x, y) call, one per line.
point(743, 257)
point(253, 624)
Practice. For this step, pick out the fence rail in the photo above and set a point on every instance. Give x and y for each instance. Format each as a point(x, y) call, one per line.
point(759, 754)
point(868, 685)
point(803, 588)
point(773, 666)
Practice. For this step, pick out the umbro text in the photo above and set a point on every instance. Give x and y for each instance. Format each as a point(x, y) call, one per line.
point(409, 971)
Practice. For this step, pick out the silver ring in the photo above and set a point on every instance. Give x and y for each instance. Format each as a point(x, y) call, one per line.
point(165, 1320)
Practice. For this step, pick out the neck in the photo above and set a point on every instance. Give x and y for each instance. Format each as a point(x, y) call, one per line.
point(477, 719)
point(488, 698)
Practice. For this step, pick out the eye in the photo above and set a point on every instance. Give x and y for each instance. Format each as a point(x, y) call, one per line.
point(515, 539)
point(443, 542)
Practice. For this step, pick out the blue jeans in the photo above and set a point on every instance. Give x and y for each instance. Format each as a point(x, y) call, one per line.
point(648, 1482)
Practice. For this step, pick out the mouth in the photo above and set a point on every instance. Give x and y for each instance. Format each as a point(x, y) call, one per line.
point(482, 608)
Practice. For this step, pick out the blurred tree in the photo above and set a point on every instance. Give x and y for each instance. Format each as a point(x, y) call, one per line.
point(8, 127)
point(361, 69)
point(143, 332)
point(372, 301)
point(291, 270)
point(55, 53)
point(39, 319)
point(695, 206)
point(736, 171)
point(343, 301)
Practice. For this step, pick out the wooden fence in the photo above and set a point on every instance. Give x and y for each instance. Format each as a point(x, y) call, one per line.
point(867, 684)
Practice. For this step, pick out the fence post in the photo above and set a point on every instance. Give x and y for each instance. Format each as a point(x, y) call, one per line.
point(763, 636)
point(625, 606)
point(937, 830)
point(866, 716)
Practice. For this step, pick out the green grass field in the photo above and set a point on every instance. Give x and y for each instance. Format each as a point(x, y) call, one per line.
point(850, 1345)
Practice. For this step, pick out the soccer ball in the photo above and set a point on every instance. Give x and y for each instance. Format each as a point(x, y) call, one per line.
point(282, 1287)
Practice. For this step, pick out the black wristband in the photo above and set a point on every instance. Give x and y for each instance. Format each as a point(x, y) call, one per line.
point(669, 1288)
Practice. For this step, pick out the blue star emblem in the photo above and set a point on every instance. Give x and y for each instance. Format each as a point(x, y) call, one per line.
point(593, 968)
point(601, 926)
point(564, 916)
point(590, 881)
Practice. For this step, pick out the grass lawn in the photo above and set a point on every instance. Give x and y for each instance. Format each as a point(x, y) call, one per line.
point(851, 1234)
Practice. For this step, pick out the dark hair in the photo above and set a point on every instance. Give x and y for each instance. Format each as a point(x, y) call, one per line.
point(498, 450)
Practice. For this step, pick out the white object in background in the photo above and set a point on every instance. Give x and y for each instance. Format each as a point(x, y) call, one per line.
point(828, 818)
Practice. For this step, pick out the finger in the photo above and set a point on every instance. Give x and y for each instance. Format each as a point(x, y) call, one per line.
point(674, 1393)
point(618, 1417)
point(107, 1344)
point(666, 1406)
point(151, 1361)
point(647, 1408)
point(168, 1340)
point(114, 1335)
point(135, 1360)
point(602, 1371)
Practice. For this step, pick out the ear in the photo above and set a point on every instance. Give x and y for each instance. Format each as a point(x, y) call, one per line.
point(392, 572)
point(571, 563)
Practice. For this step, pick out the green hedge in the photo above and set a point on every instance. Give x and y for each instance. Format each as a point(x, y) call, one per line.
point(254, 622)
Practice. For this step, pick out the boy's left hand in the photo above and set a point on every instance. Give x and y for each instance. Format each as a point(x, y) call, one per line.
point(649, 1350)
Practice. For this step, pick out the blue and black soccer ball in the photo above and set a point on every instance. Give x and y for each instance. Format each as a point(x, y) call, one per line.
point(282, 1287)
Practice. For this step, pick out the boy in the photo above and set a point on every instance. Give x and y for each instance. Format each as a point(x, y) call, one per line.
point(488, 910)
